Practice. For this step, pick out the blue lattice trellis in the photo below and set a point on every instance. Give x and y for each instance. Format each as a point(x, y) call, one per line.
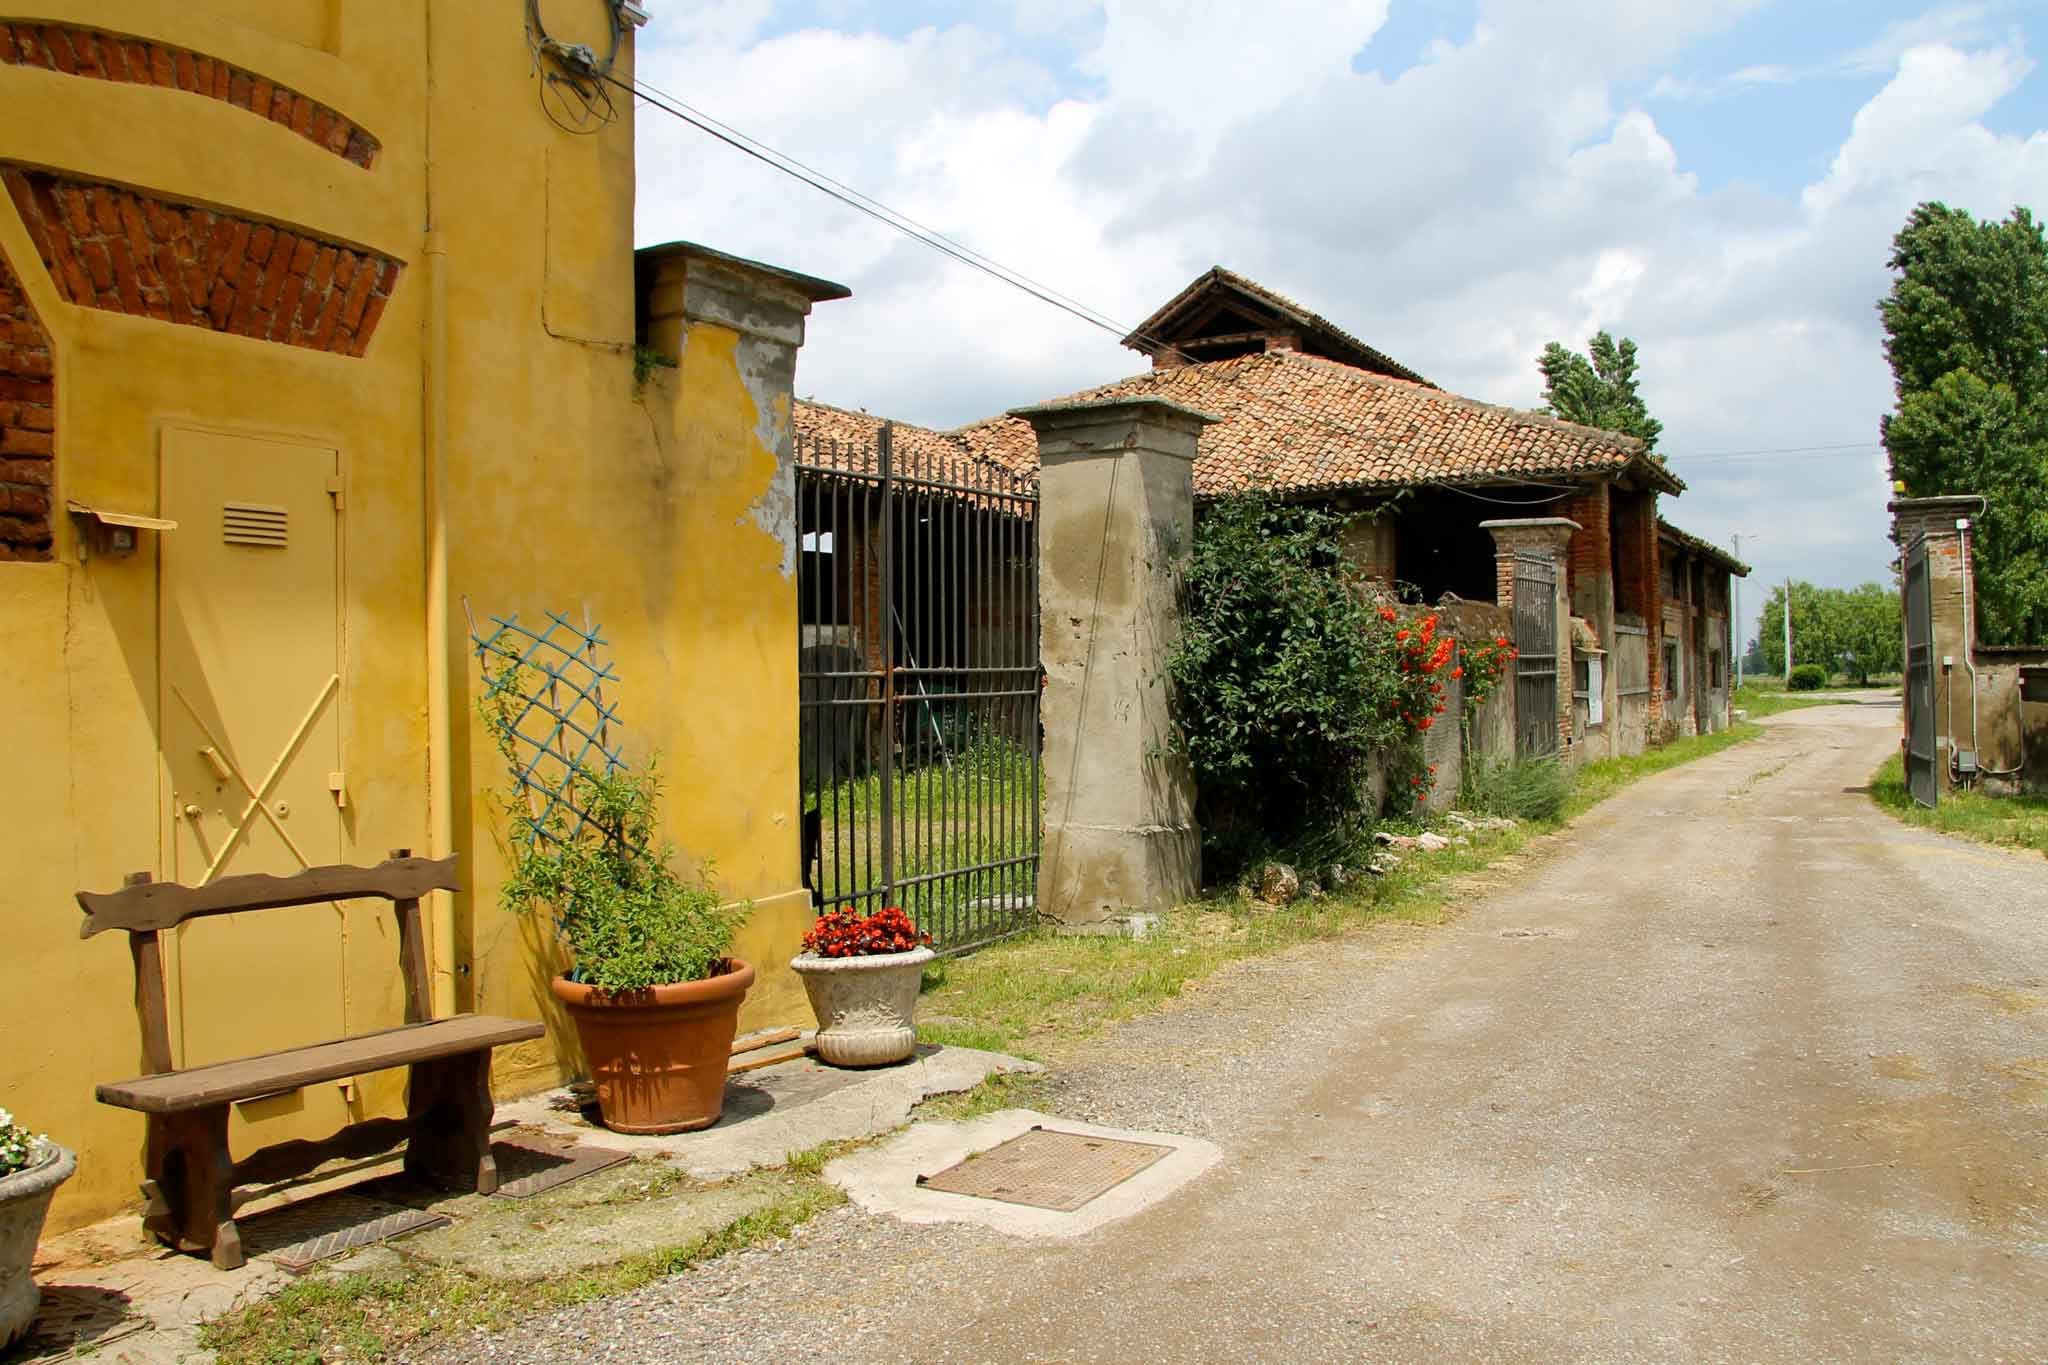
point(546, 691)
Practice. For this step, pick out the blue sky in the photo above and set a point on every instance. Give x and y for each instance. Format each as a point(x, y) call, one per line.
point(1457, 181)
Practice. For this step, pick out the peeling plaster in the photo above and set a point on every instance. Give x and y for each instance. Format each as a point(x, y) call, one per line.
point(768, 370)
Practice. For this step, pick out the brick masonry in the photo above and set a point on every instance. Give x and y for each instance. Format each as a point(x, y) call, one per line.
point(123, 251)
point(28, 425)
point(98, 55)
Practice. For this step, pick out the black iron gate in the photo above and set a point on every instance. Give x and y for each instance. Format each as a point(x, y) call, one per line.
point(1923, 776)
point(1536, 655)
point(918, 682)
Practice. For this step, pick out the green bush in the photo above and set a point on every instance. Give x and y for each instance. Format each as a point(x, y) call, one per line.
point(1521, 789)
point(1809, 678)
point(1286, 682)
point(606, 877)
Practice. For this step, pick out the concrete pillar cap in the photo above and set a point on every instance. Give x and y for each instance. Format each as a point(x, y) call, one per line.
point(1139, 406)
point(1531, 524)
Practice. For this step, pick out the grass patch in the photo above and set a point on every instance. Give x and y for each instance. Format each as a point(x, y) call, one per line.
point(2009, 821)
point(373, 1315)
point(1759, 699)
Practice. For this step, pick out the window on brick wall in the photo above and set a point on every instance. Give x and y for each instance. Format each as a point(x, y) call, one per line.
point(1587, 687)
point(1714, 670)
point(1670, 668)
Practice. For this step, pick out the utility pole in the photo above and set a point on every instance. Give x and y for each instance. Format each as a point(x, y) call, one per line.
point(1735, 586)
point(1788, 634)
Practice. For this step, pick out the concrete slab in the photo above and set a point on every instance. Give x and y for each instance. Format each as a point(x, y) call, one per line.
point(520, 1242)
point(781, 1109)
point(884, 1179)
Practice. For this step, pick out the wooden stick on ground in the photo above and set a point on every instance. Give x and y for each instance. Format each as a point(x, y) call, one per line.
point(755, 1063)
point(769, 1039)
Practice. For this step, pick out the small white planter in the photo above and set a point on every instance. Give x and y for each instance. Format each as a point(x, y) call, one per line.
point(24, 1200)
point(864, 1004)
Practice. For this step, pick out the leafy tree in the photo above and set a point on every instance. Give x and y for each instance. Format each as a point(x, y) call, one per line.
point(1856, 631)
point(1966, 332)
point(1600, 391)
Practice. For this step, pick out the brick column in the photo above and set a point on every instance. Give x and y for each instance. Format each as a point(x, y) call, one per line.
point(1548, 537)
point(1116, 519)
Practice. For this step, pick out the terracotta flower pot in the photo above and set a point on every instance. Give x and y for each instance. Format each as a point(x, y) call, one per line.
point(864, 1004)
point(659, 1055)
point(24, 1201)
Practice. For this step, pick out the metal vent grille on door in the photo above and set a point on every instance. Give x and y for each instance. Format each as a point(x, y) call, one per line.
point(252, 523)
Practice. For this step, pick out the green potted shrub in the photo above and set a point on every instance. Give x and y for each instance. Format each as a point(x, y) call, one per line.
point(31, 1169)
point(652, 985)
point(862, 974)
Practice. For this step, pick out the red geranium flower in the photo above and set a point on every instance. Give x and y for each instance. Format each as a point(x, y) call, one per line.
point(848, 933)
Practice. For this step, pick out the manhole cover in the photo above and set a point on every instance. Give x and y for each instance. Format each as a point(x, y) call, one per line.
point(77, 1317)
point(1047, 1169)
point(526, 1166)
point(298, 1235)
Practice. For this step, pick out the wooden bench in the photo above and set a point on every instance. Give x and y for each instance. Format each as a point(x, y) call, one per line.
point(190, 1182)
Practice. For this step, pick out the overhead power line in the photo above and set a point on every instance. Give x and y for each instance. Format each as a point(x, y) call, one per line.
point(903, 223)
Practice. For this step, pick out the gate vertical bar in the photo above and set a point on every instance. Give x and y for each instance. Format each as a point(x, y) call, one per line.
point(885, 454)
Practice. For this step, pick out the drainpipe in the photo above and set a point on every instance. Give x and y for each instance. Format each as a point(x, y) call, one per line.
point(434, 461)
point(1969, 633)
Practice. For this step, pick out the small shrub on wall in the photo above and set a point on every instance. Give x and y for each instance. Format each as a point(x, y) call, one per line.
point(1289, 677)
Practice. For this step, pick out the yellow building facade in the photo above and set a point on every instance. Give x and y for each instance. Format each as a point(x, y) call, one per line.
point(318, 329)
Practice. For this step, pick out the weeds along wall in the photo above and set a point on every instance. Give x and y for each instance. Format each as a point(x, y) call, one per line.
point(366, 335)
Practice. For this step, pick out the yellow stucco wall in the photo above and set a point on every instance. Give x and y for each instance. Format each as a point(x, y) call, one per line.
point(570, 488)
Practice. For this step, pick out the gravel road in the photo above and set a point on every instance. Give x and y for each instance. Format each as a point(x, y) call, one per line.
point(1740, 1070)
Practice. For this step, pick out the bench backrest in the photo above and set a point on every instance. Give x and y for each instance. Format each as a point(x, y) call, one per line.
point(144, 908)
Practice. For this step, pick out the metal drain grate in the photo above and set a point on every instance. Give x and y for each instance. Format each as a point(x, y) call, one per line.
point(77, 1317)
point(299, 1235)
point(1047, 1169)
point(529, 1165)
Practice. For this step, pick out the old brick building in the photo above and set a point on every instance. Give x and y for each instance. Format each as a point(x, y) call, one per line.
point(1309, 411)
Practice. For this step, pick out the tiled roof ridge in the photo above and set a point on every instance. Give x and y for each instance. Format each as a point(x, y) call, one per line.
point(1300, 312)
point(1702, 546)
point(876, 418)
point(1432, 393)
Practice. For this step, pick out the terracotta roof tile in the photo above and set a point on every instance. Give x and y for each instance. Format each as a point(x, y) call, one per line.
point(1291, 423)
point(1296, 423)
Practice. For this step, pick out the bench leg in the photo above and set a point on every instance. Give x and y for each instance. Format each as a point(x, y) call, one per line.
point(449, 1103)
point(192, 1184)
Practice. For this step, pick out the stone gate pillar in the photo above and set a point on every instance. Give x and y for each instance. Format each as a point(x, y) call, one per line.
point(1116, 520)
point(1547, 537)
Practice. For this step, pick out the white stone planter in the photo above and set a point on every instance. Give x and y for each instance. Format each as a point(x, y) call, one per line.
point(864, 1004)
point(24, 1200)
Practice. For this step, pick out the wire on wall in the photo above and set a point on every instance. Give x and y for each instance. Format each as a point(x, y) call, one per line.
point(574, 91)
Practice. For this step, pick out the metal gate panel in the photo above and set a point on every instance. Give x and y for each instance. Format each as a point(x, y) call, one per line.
point(918, 683)
point(1923, 779)
point(1536, 647)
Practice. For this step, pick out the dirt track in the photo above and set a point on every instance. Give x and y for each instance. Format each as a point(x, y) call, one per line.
point(1745, 1070)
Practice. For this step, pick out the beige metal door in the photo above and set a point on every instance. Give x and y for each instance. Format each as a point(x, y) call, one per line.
point(250, 669)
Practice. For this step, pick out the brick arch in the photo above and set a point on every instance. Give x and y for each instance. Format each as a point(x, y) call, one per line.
point(95, 54)
point(123, 250)
point(28, 424)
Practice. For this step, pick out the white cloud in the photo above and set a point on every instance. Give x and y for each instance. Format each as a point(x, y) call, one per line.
point(1959, 25)
point(1457, 214)
point(1768, 74)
